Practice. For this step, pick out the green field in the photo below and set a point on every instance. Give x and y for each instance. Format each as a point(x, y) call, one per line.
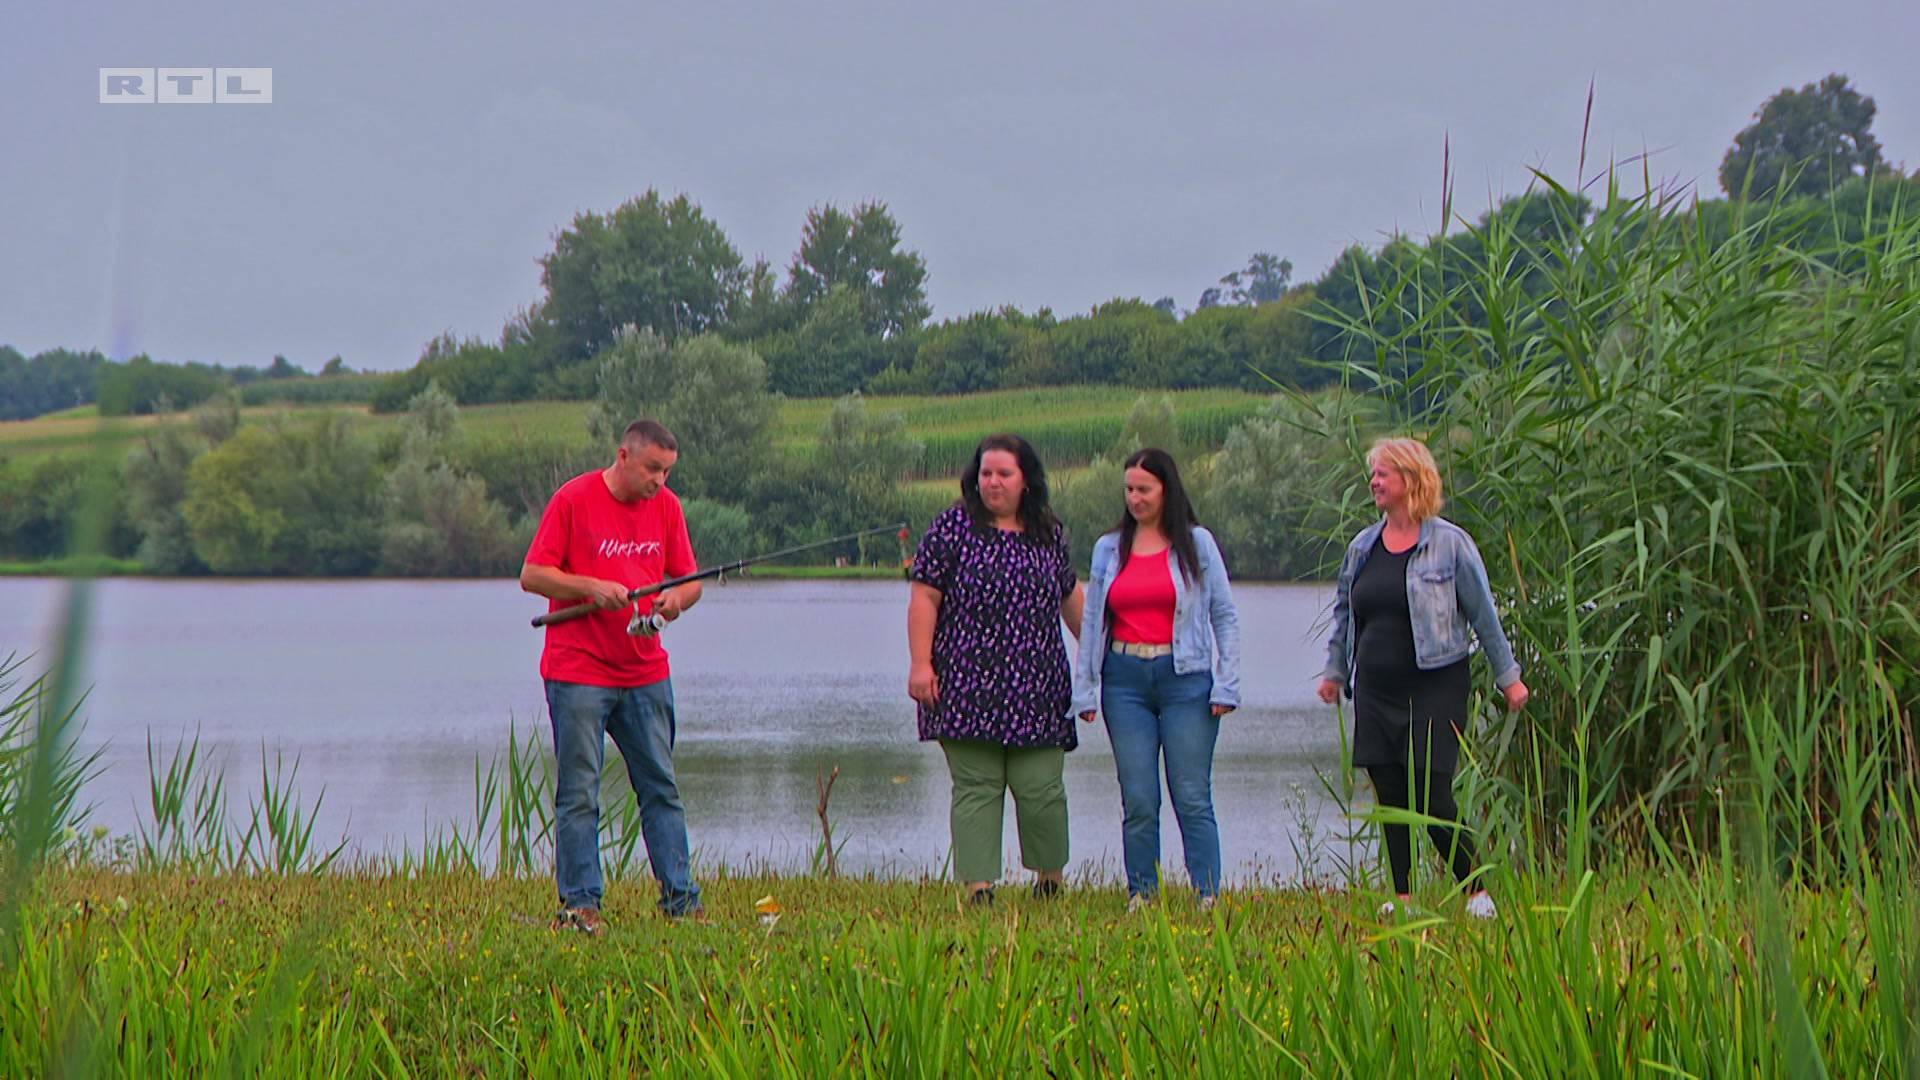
point(452, 974)
point(1068, 425)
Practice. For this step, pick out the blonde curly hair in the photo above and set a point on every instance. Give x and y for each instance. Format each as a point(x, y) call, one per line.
point(1414, 462)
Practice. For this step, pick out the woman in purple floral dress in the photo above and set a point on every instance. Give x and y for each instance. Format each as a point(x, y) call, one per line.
point(991, 582)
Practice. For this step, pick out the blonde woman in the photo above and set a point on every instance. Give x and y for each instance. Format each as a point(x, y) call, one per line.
point(1411, 586)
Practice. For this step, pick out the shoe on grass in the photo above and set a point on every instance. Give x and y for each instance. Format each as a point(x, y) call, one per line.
point(1138, 902)
point(583, 920)
point(1046, 889)
point(1480, 906)
point(981, 897)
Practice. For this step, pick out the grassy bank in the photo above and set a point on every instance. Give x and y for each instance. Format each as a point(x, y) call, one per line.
point(1069, 424)
point(1654, 973)
point(95, 566)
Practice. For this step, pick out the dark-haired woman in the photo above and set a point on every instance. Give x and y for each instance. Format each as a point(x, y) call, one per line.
point(1160, 657)
point(992, 580)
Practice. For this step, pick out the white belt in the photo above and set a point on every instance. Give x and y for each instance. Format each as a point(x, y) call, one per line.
point(1144, 652)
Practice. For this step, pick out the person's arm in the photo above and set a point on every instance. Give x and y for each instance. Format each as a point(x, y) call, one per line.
point(556, 584)
point(1333, 678)
point(1074, 607)
point(673, 603)
point(923, 611)
point(1475, 599)
point(1225, 618)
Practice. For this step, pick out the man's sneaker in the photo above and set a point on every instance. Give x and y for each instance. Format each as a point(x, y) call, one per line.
point(1138, 902)
point(1480, 906)
point(583, 920)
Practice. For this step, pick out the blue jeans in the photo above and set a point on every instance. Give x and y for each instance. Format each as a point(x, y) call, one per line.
point(641, 721)
point(1151, 711)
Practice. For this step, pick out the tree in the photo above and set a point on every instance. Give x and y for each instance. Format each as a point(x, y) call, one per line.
point(830, 353)
point(711, 394)
point(440, 522)
point(53, 380)
point(335, 366)
point(281, 501)
point(861, 252)
point(652, 264)
point(1803, 142)
point(1273, 486)
point(155, 475)
point(140, 386)
point(1264, 279)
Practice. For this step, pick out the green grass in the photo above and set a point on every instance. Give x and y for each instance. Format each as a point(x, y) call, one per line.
point(1069, 425)
point(455, 974)
point(95, 566)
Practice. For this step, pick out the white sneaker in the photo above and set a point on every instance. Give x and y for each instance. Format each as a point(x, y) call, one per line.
point(1207, 902)
point(1480, 906)
point(1386, 910)
point(1138, 903)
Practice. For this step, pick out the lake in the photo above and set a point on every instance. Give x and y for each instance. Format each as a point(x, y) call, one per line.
point(387, 692)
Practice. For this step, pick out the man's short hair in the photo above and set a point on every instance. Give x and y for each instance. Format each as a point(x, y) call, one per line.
point(650, 433)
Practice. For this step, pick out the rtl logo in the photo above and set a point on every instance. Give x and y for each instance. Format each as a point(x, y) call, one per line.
point(186, 86)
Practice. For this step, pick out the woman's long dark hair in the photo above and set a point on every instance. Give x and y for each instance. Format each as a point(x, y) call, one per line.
point(1177, 518)
point(1036, 516)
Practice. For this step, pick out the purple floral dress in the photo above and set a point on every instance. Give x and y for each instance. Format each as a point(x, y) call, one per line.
point(996, 645)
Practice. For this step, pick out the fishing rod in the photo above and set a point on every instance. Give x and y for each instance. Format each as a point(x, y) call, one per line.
point(567, 613)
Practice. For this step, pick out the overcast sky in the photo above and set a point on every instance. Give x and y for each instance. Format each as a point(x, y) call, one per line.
point(415, 164)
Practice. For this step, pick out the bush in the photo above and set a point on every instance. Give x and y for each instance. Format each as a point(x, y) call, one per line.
point(711, 394)
point(273, 500)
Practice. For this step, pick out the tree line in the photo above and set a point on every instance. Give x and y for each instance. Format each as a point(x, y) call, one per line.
point(851, 313)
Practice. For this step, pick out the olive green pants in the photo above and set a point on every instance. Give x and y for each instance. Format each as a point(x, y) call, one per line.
point(982, 773)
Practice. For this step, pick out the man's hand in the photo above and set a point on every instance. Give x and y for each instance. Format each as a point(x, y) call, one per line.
point(668, 605)
point(605, 594)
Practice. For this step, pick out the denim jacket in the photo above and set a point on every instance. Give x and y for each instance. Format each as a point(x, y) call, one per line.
point(1446, 593)
point(1206, 625)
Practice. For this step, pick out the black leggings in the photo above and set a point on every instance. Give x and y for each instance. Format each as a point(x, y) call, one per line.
point(1391, 787)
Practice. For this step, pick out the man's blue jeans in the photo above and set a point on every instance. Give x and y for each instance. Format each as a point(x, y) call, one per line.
point(641, 721)
point(1151, 711)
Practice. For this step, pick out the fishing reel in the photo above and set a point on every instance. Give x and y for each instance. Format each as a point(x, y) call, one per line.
point(648, 625)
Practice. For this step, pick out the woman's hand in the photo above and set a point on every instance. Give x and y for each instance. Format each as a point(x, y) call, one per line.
point(923, 685)
point(1088, 716)
point(1329, 691)
point(1517, 696)
point(1221, 710)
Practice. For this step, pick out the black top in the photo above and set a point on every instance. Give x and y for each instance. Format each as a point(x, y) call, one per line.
point(1383, 626)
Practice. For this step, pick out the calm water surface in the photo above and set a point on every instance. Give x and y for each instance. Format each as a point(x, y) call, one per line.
point(387, 692)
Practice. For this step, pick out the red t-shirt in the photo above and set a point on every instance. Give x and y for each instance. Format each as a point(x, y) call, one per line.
point(1140, 600)
point(587, 531)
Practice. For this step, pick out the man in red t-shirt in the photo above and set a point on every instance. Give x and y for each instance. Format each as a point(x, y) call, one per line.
point(606, 532)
